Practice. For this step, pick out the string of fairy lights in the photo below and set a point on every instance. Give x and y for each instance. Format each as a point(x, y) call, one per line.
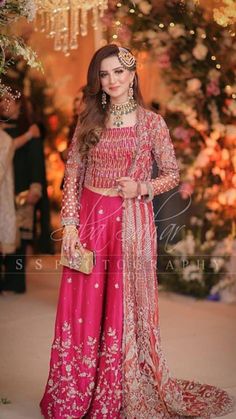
point(161, 26)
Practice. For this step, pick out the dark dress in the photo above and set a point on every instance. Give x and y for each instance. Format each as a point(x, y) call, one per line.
point(29, 167)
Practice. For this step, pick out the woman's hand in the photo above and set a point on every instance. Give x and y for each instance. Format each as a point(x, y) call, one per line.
point(34, 131)
point(127, 187)
point(32, 198)
point(70, 241)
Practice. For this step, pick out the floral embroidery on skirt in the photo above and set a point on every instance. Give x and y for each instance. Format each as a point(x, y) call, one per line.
point(106, 359)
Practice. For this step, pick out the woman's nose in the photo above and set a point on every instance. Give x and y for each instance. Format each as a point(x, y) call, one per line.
point(112, 79)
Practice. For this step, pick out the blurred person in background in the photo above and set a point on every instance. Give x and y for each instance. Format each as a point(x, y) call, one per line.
point(77, 107)
point(28, 169)
point(8, 230)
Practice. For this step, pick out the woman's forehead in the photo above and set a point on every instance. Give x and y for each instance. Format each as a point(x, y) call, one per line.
point(109, 63)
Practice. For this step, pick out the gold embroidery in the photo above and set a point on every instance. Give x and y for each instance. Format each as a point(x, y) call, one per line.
point(71, 384)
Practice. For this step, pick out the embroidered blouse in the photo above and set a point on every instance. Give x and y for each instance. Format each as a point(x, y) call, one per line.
point(111, 157)
point(117, 150)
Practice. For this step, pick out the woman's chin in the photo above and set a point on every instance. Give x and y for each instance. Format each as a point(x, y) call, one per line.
point(118, 96)
point(114, 93)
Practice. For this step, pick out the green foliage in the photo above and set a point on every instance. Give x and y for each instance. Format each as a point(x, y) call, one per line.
point(12, 46)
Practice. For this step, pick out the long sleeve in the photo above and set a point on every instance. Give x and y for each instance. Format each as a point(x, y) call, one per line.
point(6, 153)
point(164, 155)
point(73, 181)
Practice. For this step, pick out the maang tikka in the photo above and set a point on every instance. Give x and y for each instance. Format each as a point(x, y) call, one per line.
point(126, 59)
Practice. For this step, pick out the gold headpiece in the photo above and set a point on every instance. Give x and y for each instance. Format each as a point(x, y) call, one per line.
point(126, 58)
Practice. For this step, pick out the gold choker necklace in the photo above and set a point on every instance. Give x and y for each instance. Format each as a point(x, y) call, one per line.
point(123, 109)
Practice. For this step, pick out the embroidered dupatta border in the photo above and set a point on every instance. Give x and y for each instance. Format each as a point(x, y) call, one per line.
point(149, 391)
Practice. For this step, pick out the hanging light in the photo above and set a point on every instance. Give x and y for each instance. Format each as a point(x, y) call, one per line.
point(64, 20)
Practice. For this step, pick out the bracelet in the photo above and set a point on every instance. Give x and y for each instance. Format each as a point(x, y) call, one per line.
point(70, 231)
point(139, 194)
point(70, 222)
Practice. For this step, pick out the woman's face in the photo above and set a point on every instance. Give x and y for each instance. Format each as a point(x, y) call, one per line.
point(9, 107)
point(115, 79)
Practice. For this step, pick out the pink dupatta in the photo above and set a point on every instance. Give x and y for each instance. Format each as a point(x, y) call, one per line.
point(149, 391)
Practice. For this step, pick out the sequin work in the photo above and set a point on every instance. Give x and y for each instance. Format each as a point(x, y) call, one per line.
point(111, 159)
point(115, 145)
point(107, 361)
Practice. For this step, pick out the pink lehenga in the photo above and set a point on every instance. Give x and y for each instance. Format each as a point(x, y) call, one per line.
point(106, 359)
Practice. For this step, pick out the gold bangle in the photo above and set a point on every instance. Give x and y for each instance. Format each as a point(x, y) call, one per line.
point(71, 230)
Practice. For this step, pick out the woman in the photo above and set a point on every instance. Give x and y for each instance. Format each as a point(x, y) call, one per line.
point(28, 176)
point(106, 359)
point(8, 227)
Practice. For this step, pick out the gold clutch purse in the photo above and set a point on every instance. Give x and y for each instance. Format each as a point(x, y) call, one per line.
point(81, 262)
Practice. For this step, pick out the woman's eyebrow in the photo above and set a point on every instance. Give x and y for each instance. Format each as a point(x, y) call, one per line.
point(116, 68)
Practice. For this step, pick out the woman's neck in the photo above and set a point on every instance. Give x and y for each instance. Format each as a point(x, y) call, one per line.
point(119, 101)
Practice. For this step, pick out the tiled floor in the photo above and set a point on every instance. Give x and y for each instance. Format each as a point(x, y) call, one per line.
point(198, 337)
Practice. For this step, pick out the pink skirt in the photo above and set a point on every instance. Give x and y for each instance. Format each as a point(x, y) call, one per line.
point(88, 374)
point(85, 376)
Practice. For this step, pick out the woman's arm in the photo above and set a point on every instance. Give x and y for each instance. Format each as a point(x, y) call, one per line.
point(73, 182)
point(6, 153)
point(18, 142)
point(164, 154)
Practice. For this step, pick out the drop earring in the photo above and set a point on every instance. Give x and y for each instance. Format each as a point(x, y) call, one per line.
point(104, 99)
point(131, 91)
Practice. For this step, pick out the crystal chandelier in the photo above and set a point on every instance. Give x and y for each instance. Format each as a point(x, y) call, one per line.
point(64, 20)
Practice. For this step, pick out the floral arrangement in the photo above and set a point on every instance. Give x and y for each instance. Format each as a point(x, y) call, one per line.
point(196, 268)
point(197, 60)
point(224, 12)
point(12, 46)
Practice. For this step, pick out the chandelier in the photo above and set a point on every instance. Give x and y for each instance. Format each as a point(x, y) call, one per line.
point(64, 20)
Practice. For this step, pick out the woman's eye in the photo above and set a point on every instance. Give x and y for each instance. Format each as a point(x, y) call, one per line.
point(102, 75)
point(119, 71)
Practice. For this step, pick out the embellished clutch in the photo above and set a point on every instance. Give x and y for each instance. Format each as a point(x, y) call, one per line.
point(81, 262)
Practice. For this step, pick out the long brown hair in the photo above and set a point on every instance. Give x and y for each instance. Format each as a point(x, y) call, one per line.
point(93, 117)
